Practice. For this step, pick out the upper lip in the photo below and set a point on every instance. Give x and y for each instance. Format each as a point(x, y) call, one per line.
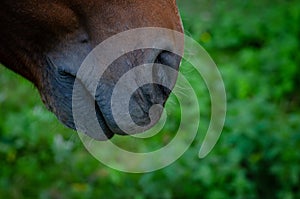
point(105, 127)
point(100, 117)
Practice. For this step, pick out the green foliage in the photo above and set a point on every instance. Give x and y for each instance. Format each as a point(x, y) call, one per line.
point(256, 46)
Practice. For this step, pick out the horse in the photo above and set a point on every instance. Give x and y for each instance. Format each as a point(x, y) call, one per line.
point(46, 42)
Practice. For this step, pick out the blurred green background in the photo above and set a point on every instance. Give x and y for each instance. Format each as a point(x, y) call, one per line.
point(256, 47)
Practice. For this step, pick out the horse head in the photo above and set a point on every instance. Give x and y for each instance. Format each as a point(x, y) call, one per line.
point(47, 41)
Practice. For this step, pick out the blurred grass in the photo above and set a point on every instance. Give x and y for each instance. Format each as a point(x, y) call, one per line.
point(256, 46)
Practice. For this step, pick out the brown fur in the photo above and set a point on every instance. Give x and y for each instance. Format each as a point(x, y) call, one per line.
point(33, 30)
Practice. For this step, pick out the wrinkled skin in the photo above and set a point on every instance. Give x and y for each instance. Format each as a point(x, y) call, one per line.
point(46, 42)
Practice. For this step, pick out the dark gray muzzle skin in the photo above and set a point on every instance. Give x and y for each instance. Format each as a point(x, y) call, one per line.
point(140, 102)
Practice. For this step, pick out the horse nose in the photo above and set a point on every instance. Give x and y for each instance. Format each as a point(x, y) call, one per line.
point(143, 109)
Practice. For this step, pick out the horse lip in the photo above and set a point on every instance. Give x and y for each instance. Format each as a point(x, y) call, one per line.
point(102, 123)
point(105, 127)
point(110, 125)
point(100, 118)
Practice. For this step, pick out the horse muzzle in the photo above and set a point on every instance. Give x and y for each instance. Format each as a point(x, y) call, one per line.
point(133, 90)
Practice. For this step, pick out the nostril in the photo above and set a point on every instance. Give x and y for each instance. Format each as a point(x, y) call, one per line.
point(63, 73)
point(169, 59)
point(142, 102)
